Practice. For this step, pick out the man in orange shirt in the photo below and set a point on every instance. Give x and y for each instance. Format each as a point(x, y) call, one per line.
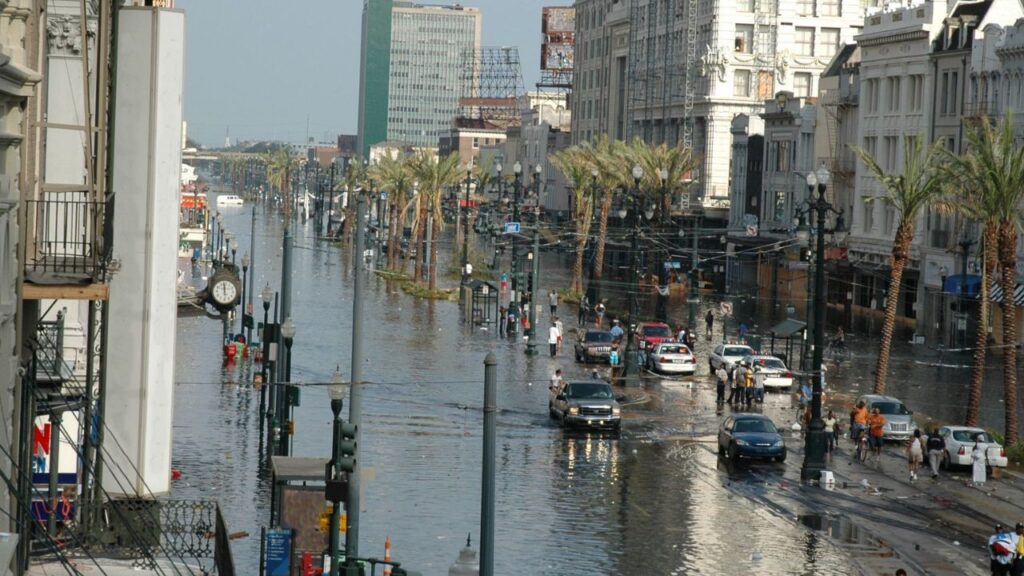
point(876, 431)
point(858, 421)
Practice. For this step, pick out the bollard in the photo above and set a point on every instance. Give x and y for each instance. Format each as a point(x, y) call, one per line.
point(387, 555)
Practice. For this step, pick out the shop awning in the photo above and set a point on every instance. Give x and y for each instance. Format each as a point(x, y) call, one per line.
point(788, 328)
point(954, 284)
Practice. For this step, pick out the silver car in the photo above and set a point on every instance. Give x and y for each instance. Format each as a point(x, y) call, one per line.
point(899, 420)
point(672, 358)
point(727, 355)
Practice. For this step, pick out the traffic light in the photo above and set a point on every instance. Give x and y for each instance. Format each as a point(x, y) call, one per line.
point(347, 447)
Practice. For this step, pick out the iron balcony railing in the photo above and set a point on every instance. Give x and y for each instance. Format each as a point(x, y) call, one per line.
point(72, 235)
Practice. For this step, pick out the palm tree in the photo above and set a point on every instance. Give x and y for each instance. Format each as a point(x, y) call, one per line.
point(350, 182)
point(609, 159)
point(280, 167)
point(394, 176)
point(572, 162)
point(920, 184)
point(434, 175)
point(996, 166)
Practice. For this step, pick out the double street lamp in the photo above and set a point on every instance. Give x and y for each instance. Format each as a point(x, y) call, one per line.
point(335, 487)
point(245, 310)
point(815, 441)
point(281, 390)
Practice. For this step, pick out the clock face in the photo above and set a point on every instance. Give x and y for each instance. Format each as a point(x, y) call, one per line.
point(224, 292)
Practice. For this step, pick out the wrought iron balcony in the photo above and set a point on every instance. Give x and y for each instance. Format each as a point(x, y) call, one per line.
point(69, 238)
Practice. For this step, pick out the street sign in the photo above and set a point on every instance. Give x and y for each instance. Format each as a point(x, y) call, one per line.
point(751, 229)
point(504, 276)
point(726, 308)
point(279, 546)
point(512, 227)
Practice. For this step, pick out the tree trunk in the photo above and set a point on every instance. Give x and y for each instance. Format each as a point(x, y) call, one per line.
point(602, 234)
point(435, 234)
point(394, 236)
point(417, 234)
point(582, 232)
point(900, 255)
point(1008, 271)
point(989, 240)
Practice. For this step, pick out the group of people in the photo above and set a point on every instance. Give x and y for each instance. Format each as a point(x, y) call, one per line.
point(745, 383)
point(1006, 551)
point(586, 311)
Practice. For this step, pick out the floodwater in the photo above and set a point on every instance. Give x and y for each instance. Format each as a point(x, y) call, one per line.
point(656, 500)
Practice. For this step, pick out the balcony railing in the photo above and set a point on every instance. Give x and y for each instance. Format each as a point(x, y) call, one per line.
point(72, 236)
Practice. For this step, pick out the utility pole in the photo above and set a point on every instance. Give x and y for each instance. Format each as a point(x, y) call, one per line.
point(693, 298)
point(513, 306)
point(531, 344)
point(355, 403)
point(465, 227)
point(634, 248)
point(280, 390)
point(250, 294)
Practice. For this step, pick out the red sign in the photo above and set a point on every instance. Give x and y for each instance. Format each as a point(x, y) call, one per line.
point(836, 253)
point(189, 201)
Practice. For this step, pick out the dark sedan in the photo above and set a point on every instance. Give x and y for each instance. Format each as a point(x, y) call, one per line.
point(594, 346)
point(751, 436)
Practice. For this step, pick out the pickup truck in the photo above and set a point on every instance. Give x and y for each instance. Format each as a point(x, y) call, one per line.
point(586, 404)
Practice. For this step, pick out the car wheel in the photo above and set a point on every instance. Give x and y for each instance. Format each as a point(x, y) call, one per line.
point(577, 354)
point(780, 458)
point(734, 452)
point(561, 420)
point(711, 366)
point(721, 450)
point(551, 410)
point(617, 428)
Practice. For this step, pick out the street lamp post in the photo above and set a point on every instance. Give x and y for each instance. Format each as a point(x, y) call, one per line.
point(517, 169)
point(815, 440)
point(245, 276)
point(464, 218)
point(634, 278)
point(284, 407)
point(335, 486)
point(267, 295)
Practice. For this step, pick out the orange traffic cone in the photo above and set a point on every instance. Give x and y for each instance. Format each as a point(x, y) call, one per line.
point(387, 555)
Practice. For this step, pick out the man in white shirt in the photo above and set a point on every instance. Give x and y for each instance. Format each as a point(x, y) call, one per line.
point(556, 383)
point(553, 336)
point(723, 379)
point(558, 324)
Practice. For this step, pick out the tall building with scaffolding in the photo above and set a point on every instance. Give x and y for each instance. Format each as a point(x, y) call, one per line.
point(691, 66)
point(411, 74)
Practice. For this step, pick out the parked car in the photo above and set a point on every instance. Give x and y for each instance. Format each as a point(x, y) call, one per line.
point(594, 346)
point(589, 404)
point(899, 420)
point(727, 355)
point(960, 443)
point(672, 358)
point(777, 376)
point(650, 334)
point(751, 436)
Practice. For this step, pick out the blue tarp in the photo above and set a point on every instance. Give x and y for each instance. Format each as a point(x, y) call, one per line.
point(953, 283)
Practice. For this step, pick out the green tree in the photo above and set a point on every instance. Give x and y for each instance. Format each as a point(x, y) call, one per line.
point(434, 175)
point(908, 193)
point(394, 175)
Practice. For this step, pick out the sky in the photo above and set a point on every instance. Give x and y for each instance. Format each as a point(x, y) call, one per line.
point(258, 71)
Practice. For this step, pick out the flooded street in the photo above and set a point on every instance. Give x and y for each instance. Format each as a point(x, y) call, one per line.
point(656, 500)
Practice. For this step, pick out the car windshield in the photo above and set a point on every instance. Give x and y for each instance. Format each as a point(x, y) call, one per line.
point(598, 337)
point(656, 331)
point(769, 363)
point(587, 391)
point(971, 436)
point(737, 351)
point(891, 408)
point(673, 349)
point(754, 426)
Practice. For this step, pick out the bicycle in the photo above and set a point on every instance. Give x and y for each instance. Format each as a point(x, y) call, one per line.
point(862, 446)
point(837, 351)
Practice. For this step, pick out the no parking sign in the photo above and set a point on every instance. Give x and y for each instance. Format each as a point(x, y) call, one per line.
point(726, 308)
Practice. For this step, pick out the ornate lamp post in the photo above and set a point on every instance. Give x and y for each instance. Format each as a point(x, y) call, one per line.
point(335, 486)
point(284, 409)
point(816, 442)
point(464, 216)
point(634, 278)
point(245, 308)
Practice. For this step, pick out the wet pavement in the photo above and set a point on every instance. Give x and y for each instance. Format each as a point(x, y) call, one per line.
point(656, 500)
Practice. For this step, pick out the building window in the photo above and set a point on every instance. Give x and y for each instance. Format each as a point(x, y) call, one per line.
point(944, 95)
point(741, 83)
point(476, 143)
point(893, 92)
point(802, 84)
point(829, 8)
point(744, 38)
point(828, 42)
point(783, 155)
point(871, 96)
point(892, 153)
point(805, 7)
point(954, 87)
point(869, 217)
point(915, 92)
point(804, 42)
point(745, 5)
point(780, 206)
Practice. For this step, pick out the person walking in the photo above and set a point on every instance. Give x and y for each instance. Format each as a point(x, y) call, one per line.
point(681, 334)
point(915, 455)
point(709, 323)
point(723, 380)
point(617, 332)
point(553, 302)
point(561, 332)
point(599, 311)
point(556, 382)
point(876, 433)
point(858, 421)
point(735, 375)
point(748, 381)
point(1017, 568)
point(979, 457)
point(759, 378)
point(831, 428)
point(553, 336)
point(936, 447)
point(1002, 548)
point(584, 311)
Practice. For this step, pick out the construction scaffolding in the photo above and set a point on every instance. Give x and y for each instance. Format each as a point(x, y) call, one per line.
point(492, 82)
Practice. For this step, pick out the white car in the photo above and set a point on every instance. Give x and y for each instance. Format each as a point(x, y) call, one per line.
point(960, 443)
point(671, 358)
point(777, 376)
point(229, 200)
point(727, 355)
